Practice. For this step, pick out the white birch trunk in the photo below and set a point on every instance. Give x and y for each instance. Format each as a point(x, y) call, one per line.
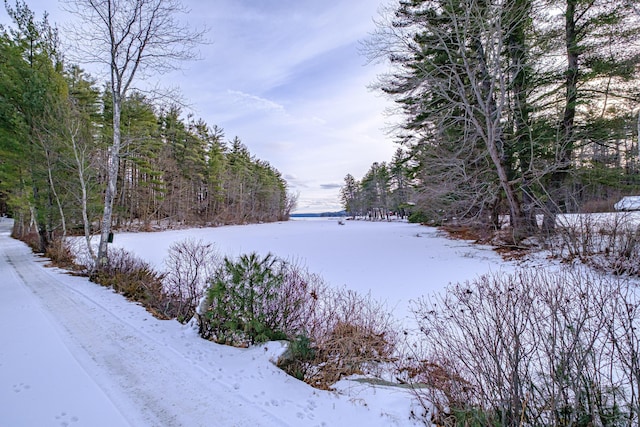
point(80, 162)
point(112, 181)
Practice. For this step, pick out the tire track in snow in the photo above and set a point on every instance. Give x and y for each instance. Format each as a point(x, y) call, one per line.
point(134, 369)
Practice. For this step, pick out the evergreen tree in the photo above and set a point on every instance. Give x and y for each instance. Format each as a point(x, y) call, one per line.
point(350, 196)
point(32, 87)
point(399, 181)
point(57, 150)
point(491, 121)
point(375, 191)
point(140, 176)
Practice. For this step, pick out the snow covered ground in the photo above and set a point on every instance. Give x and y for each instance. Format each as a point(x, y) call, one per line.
point(75, 354)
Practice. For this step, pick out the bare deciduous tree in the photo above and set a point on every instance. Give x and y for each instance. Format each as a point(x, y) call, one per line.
point(130, 39)
point(452, 82)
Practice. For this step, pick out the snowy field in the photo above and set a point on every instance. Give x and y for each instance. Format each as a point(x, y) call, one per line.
point(76, 354)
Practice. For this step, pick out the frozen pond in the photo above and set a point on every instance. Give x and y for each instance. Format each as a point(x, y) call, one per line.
point(395, 261)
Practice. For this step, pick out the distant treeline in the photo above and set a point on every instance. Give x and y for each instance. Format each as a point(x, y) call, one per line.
point(319, 215)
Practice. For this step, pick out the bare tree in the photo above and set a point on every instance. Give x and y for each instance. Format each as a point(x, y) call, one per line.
point(131, 39)
point(81, 157)
point(450, 78)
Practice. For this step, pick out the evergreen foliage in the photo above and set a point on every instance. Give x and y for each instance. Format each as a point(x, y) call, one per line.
point(382, 191)
point(241, 306)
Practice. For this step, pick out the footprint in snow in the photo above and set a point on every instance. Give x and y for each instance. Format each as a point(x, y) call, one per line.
point(66, 420)
point(17, 388)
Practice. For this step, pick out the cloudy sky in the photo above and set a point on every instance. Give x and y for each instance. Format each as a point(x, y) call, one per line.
point(287, 78)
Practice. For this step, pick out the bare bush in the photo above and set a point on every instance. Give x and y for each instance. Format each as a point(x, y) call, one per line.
point(347, 334)
point(61, 254)
point(576, 239)
point(332, 333)
point(82, 257)
point(298, 299)
point(361, 334)
point(622, 314)
point(189, 264)
point(529, 348)
point(133, 278)
point(32, 239)
point(609, 242)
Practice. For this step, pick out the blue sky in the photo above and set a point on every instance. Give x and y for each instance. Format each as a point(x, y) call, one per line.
point(287, 78)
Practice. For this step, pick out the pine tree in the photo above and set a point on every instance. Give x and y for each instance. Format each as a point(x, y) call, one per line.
point(350, 196)
point(491, 120)
point(32, 87)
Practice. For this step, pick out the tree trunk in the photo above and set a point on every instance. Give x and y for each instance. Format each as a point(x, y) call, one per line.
point(55, 195)
point(494, 141)
point(557, 185)
point(112, 181)
point(84, 198)
point(517, 51)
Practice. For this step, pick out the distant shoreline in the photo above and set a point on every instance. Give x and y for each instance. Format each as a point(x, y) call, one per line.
point(318, 215)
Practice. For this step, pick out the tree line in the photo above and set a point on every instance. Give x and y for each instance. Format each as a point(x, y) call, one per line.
point(384, 190)
point(57, 152)
point(526, 108)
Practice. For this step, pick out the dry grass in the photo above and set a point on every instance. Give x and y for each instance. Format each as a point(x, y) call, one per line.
point(135, 279)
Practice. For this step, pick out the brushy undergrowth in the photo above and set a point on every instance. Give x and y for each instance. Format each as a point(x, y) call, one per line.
point(489, 352)
point(609, 242)
point(331, 333)
point(135, 279)
point(189, 266)
point(61, 255)
point(530, 348)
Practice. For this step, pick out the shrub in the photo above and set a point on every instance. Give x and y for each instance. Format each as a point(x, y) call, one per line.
point(534, 347)
point(61, 254)
point(241, 306)
point(610, 243)
point(419, 217)
point(332, 332)
point(351, 334)
point(133, 278)
point(190, 265)
point(298, 358)
point(32, 239)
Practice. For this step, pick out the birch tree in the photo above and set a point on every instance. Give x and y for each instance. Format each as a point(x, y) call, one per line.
point(130, 39)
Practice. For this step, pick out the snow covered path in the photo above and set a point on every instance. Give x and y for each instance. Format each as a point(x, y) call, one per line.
point(30, 339)
point(91, 338)
point(76, 354)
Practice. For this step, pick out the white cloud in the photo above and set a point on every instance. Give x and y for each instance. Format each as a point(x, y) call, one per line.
point(254, 102)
